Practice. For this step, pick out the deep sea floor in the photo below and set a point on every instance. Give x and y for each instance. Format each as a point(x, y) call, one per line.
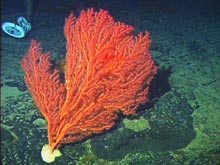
point(180, 124)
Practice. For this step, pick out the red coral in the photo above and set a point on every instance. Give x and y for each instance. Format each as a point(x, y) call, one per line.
point(108, 71)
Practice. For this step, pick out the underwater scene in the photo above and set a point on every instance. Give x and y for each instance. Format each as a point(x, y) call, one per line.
point(97, 82)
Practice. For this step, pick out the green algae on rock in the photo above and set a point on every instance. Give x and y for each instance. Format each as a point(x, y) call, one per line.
point(137, 125)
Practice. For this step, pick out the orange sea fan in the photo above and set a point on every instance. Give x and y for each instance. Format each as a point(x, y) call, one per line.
point(108, 71)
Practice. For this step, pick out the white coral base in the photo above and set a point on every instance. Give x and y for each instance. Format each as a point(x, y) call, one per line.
point(47, 154)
